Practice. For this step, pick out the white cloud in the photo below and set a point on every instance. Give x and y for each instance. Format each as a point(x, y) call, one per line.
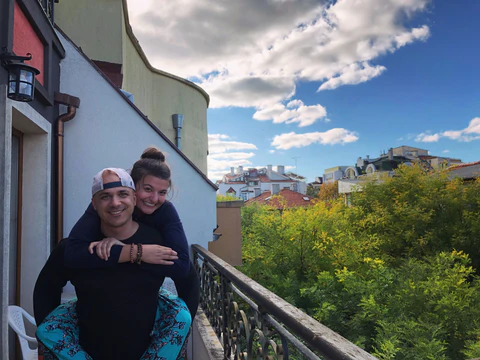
point(473, 127)
point(453, 134)
point(330, 137)
point(233, 155)
point(258, 91)
point(218, 143)
point(445, 151)
point(225, 153)
point(470, 133)
point(257, 60)
point(423, 137)
point(353, 74)
point(294, 112)
point(218, 168)
point(405, 38)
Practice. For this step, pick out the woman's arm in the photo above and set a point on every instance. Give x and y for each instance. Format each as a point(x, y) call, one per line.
point(167, 222)
point(85, 231)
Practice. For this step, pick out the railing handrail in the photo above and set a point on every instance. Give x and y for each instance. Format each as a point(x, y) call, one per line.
point(318, 336)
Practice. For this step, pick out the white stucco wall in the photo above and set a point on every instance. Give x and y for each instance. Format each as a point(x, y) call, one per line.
point(223, 187)
point(348, 186)
point(107, 131)
point(35, 218)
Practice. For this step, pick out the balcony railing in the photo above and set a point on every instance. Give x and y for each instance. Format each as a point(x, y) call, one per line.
point(252, 322)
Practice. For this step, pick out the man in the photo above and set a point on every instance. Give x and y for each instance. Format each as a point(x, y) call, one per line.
point(116, 305)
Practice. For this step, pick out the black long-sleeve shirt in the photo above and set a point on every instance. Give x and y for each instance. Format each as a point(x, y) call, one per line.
point(116, 305)
point(55, 275)
point(106, 295)
point(48, 288)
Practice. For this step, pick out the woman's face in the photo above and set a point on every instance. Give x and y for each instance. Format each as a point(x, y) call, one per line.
point(151, 193)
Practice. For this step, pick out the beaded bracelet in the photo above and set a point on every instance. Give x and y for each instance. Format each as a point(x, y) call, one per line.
point(139, 253)
point(131, 253)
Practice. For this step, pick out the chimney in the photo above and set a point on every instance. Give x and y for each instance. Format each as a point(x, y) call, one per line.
point(232, 171)
point(368, 157)
point(274, 189)
point(294, 187)
point(281, 169)
point(177, 120)
point(390, 154)
point(240, 169)
point(269, 168)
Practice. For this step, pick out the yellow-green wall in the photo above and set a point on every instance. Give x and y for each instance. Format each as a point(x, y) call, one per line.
point(99, 28)
point(95, 26)
point(160, 95)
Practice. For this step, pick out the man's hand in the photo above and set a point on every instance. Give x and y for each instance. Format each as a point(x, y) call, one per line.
point(103, 247)
point(157, 254)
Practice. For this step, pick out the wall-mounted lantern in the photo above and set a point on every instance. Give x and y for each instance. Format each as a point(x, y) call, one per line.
point(21, 77)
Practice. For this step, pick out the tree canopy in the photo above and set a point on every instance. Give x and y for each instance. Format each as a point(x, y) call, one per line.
point(396, 272)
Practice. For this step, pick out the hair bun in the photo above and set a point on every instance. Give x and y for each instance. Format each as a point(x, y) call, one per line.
point(153, 153)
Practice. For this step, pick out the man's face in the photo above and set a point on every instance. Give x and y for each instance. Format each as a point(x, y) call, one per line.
point(114, 206)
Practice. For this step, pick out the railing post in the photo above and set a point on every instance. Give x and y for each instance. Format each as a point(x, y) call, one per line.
point(225, 302)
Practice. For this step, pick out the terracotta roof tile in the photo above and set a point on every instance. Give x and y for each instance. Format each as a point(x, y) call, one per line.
point(464, 165)
point(292, 199)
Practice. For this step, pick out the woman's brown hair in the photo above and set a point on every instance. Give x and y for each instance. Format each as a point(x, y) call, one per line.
point(152, 162)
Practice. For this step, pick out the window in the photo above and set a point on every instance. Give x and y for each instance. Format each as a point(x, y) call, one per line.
point(350, 173)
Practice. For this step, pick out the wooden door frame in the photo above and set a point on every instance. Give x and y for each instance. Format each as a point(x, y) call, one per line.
point(19, 135)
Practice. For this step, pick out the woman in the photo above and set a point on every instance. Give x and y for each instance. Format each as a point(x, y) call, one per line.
point(152, 180)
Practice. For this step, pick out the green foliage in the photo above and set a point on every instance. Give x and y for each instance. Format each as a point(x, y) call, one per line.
point(312, 191)
point(396, 272)
point(328, 191)
point(221, 198)
point(418, 213)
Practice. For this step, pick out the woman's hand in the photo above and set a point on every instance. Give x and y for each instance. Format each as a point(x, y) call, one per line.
point(103, 247)
point(157, 254)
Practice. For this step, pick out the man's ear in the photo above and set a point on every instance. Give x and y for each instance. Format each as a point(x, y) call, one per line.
point(134, 198)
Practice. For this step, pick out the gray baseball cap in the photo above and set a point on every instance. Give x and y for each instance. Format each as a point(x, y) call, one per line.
point(125, 180)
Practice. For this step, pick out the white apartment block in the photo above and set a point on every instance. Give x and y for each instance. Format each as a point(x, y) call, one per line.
point(249, 183)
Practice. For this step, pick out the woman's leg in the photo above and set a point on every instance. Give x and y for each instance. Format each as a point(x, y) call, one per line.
point(171, 328)
point(58, 334)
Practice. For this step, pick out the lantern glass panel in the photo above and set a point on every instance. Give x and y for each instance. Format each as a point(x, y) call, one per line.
point(26, 76)
point(12, 87)
point(12, 76)
point(25, 89)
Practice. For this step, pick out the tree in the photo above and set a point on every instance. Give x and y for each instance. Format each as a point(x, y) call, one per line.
point(312, 191)
point(227, 197)
point(396, 272)
point(328, 191)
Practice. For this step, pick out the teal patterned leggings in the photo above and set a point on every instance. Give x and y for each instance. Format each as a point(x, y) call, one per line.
point(58, 334)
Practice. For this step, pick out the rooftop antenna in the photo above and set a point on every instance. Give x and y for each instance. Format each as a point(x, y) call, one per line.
point(295, 158)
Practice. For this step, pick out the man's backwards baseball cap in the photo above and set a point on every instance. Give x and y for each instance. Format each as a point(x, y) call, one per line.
point(125, 180)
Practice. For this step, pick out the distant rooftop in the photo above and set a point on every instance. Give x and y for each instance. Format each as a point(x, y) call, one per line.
point(291, 198)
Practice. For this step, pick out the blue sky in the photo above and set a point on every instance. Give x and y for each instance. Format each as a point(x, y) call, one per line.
point(323, 83)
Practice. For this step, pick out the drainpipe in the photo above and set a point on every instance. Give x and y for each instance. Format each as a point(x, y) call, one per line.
point(73, 103)
point(177, 125)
